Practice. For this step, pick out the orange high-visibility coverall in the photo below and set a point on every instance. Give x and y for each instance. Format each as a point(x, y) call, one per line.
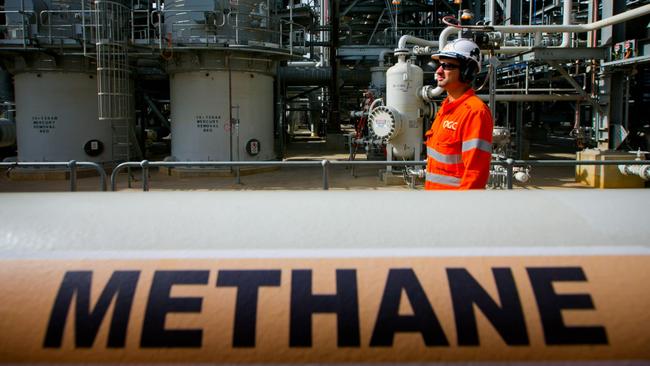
point(459, 145)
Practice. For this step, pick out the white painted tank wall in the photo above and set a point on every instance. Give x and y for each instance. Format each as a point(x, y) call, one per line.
point(403, 81)
point(199, 105)
point(56, 114)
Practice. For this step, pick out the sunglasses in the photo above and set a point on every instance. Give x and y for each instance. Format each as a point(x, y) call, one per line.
point(446, 66)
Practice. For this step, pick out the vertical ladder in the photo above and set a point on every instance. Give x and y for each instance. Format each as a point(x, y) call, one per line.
point(114, 91)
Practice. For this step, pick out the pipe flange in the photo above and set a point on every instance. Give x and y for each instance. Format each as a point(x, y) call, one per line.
point(385, 122)
point(401, 51)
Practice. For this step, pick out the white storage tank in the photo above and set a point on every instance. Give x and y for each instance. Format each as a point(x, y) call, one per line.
point(56, 118)
point(401, 120)
point(200, 110)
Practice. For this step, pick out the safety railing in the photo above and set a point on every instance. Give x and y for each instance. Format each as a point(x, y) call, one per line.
point(165, 29)
point(509, 164)
point(50, 26)
point(186, 28)
point(71, 165)
point(67, 24)
point(196, 26)
point(145, 165)
point(290, 30)
point(324, 165)
point(141, 26)
point(17, 30)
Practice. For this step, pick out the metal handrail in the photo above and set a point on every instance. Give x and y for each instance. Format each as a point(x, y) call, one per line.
point(324, 164)
point(23, 24)
point(72, 165)
point(140, 27)
point(275, 27)
point(145, 165)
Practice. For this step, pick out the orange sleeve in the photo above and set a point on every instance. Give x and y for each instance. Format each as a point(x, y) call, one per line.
point(477, 149)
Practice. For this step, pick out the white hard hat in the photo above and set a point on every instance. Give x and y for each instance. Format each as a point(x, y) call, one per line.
point(461, 49)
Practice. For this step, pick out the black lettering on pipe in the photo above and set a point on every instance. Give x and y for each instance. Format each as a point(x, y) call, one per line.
point(248, 283)
point(120, 289)
point(389, 321)
point(154, 334)
point(551, 304)
point(507, 319)
point(344, 303)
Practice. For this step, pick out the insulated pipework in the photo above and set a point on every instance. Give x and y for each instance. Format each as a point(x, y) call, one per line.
point(642, 171)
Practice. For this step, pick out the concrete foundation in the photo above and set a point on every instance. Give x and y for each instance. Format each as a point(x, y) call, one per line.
point(391, 178)
point(605, 176)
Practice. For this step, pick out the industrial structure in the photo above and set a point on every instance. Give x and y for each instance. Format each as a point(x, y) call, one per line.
point(240, 80)
point(200, 88)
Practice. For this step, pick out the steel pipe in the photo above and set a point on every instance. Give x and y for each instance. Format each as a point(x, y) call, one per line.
point(406, 39)
point(576, 28)
point(69, 164)
point(566, 20)
point(566, 28)
point(244, 276)
point(531, 97)
point(643, 171)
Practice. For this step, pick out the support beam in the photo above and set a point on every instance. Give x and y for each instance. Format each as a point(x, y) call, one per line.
point(349, 7)
point(575, 84)
point(563, 54)
point(304, 93)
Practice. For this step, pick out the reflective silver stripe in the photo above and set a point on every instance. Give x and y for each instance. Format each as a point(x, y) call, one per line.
point(443, 158)
point(443, 179)
point(477, 144)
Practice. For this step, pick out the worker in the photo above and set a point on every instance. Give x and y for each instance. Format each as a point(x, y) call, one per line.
point(459, 143)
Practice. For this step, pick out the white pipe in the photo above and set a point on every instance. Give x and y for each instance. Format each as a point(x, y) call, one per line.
point(566, 28)
point(181, 219)
point(531, 97)
point(575, 28)
point(414, 40)
point(490, 12)
point(303, 63)
point(522, 176)
point(374, 102)
point(566, 20)
point(642, 171)
point(512, 50)
point(382, 56)
point(442, 39)
point(428, 92)
point(436, 92)
point(444, 36)
point(323, 22)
